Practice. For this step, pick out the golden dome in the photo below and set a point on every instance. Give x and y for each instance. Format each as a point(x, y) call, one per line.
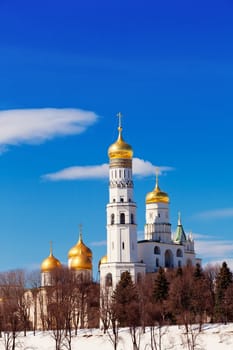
point(103, 260)
point(50, 263)
point(81, 262)
point(120, 149)
point(157, 196)
point(80, 248)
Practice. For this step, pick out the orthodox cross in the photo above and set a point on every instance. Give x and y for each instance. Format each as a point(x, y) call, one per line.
point(51, 248)
point(119, 116)
point(80, 231)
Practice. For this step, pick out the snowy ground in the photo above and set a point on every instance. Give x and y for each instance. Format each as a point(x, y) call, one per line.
point(213, 337)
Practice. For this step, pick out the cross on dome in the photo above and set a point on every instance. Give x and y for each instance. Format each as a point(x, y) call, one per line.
point(51, 247)
point(80, 231)
point(119, 116)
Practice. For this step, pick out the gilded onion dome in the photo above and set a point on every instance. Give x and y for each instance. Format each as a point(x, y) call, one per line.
point(81, 262)
point(157, 196)
point(120, 149)
point(103, 260)
point(80, 248)
point(50, 263)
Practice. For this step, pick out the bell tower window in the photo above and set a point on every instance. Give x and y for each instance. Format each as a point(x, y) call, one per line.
point(122, 218)
point(132, 219)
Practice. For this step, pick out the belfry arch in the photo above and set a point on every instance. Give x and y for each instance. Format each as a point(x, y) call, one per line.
point(168, 258)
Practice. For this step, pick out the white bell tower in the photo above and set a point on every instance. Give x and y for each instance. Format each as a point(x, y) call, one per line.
point(122, 252)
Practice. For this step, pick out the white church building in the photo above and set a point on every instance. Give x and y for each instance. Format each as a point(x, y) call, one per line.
point(158, 248)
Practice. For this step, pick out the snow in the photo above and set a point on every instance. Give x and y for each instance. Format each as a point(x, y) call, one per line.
point(213, 336)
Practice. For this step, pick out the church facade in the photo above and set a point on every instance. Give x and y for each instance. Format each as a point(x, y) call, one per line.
point(158, 248)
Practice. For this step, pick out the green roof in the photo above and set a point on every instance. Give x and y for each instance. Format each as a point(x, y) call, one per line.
point(180, 235)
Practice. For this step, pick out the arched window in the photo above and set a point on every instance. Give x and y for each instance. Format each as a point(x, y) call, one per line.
point(108, 280)
point(112, 219)
point(122, 218)
point(132, 219)
point(179, 253)
point(156, 250)
point(168, 258)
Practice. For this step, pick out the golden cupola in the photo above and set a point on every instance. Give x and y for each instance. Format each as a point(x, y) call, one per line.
point(50, 263)
point(157, 196)
point(79, 248)
point(103, 260)
point(80, 256)
point(120, 149)
point(81, 262)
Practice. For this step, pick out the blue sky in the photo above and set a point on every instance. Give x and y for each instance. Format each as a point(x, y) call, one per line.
point(66, 69)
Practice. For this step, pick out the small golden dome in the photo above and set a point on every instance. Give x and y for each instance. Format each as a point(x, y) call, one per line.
point(103, 260)
point(81, 262)
point(120, 149)
point(50, 263)
point(157, 196)
point(80, 248)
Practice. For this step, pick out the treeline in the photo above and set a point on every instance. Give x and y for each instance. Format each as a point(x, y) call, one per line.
point(69, 303)
point(188, 297)
point(185, 296)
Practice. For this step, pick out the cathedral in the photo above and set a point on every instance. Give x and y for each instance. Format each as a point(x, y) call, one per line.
point(79, 261)
point(159, 248)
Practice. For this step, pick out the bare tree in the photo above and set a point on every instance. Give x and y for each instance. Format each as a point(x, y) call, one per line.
point(105, 307)
point(93, 305)
point(181, 302)
point(55, 310)
point(14, 306)
point(34, 281)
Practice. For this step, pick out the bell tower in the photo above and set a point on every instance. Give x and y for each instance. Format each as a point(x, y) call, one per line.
point(121, 215)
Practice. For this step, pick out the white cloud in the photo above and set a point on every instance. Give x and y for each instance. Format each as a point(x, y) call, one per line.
point(144, 168)
point(79, 172)
point(140, 168)
point(31, 126)
point(216, 214)
point(99, 243)
point(214, 249)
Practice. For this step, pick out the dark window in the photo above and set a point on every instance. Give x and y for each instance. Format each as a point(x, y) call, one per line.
point(132, 219)
point(157, 262)
point(108, 280)
point(179, 253)
point(112, 219)
point(122, 218)
point(156, 250)
point(123, 245)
